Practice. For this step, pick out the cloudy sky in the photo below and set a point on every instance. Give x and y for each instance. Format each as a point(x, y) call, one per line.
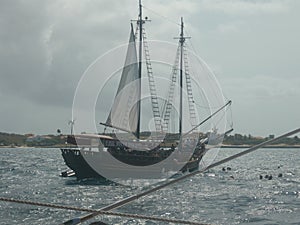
point(252, 46)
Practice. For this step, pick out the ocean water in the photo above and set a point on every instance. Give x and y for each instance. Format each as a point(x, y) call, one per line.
point(235, 196)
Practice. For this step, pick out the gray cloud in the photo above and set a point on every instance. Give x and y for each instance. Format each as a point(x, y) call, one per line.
point(45, 47)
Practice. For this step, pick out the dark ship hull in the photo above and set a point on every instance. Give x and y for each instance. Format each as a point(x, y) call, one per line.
point(76, 162)
point(75, 158)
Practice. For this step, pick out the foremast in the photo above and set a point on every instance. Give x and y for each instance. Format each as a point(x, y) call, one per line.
point(140, 24)
point(124, 115)
point(182, 39)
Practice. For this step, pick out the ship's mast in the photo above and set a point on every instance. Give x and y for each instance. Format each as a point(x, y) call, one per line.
point(181, 41)
point(140, 24)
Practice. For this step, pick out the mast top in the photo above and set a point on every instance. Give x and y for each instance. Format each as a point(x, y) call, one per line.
point(181, 37)
point(140, 19)
point(140, 9)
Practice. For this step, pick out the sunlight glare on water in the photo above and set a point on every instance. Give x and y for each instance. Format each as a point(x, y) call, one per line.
point(228, 194)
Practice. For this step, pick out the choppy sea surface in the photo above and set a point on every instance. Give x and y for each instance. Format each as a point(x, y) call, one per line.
point(236, 196)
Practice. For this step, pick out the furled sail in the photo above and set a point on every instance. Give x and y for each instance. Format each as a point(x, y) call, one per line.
point(124, 113)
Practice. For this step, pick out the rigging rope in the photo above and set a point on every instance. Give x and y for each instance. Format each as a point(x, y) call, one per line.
point(166, 18)
point(136, 216)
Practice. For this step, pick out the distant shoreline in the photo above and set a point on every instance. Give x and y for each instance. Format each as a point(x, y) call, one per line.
point(58, 141)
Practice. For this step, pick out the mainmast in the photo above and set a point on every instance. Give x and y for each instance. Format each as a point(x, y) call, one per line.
point(181, 41)
point(140, 24)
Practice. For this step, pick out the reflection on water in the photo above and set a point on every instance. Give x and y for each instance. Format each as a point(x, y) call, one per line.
point(220, 196)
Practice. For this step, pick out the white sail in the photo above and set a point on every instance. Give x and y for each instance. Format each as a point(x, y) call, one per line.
point(124, 113)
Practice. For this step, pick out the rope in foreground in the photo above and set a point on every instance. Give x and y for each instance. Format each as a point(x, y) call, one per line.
point(135, 216)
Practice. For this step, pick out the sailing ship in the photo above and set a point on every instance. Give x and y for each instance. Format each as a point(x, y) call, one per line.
point(139, 156)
